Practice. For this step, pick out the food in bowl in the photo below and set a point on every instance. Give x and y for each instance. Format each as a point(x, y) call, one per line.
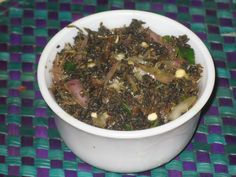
point(126, 151)
point(126, 78)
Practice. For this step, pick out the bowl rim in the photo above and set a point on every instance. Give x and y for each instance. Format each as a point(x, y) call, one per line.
point(134, 133)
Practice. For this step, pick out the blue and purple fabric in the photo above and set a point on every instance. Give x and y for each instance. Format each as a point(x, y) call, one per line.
point(29, 141)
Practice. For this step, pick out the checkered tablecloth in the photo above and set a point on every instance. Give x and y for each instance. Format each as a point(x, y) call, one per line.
point(29, 141)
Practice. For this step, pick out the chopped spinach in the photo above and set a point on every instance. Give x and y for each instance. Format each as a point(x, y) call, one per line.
point(69, 67)
point(187, 53)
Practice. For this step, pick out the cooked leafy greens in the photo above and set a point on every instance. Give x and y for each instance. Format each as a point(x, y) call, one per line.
point(126, 78)
point(187, 53)
point(69, 67)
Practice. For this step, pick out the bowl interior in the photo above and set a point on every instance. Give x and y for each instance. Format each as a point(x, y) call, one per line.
point(113, 19)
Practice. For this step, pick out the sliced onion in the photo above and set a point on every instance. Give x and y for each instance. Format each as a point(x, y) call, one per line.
point(97, 82)
point(163, 77)
point(75, 88)
point(84, 42)
point(132, 83)
point(159, 75)
point(182, 107)
point(57, 71)
point(155, 37)
point(111, 72)
point(176, 63)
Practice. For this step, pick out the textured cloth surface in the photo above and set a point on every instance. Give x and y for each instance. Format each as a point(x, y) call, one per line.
point(29, 141)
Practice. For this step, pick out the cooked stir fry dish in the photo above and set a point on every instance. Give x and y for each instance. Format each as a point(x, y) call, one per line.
point(126, 78)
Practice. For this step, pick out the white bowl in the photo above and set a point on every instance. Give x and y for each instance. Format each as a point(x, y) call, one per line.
point(126, 151)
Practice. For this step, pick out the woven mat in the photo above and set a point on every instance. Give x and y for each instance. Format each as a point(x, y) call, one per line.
point(29, 141)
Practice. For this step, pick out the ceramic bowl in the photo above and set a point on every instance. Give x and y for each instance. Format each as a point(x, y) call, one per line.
point(126, 151)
